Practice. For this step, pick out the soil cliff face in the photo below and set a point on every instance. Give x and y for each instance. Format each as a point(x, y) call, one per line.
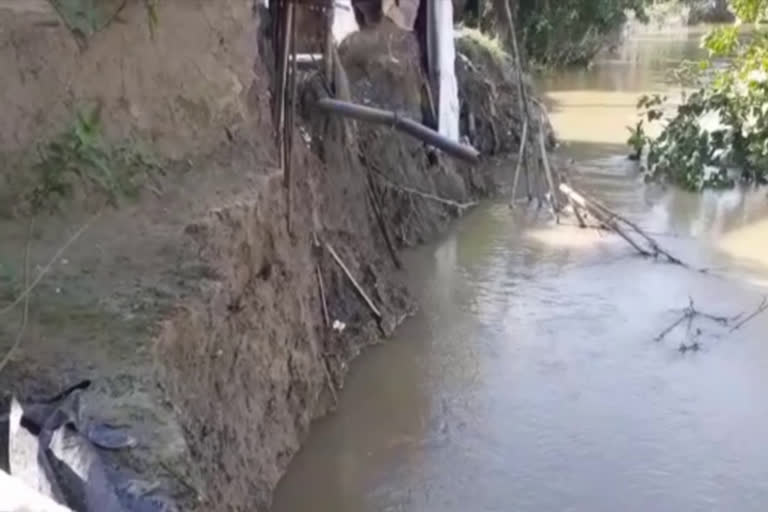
point(194, 309)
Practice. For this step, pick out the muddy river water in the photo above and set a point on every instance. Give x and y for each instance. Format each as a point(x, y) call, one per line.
point(530, 380)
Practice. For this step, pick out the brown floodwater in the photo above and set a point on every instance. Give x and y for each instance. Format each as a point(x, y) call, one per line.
point(530, 379)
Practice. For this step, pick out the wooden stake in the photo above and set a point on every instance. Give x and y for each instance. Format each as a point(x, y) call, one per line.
point(283, 71)
point(331, 385)
point(521, 94)
point(329, 44)
point(372, 196)
point(321, 286)
point(356, 285)
point(547, 170)
point(520, 158)
point(288, 160)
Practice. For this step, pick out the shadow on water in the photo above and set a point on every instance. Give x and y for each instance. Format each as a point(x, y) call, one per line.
point(530, 380)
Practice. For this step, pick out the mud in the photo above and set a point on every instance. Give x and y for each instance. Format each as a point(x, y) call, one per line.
point(193, 309)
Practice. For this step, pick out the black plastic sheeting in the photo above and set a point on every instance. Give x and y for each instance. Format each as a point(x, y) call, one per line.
point(57, 452)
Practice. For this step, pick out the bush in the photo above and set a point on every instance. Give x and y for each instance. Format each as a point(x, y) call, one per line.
point(720, 134)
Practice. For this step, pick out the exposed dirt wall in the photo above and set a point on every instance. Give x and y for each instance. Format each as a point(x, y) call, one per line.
point(195, 311)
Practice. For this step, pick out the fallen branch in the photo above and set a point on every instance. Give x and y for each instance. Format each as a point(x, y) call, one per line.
point(657, 249)
point(49, 265)
point(690, 312)
point(25, 314)
point(761, 308)
point(408, 126)
point(669, 329)
point(582, 202)
point(354, 282)
point(612, 219)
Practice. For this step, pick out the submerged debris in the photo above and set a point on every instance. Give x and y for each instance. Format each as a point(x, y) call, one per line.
point(690, 313)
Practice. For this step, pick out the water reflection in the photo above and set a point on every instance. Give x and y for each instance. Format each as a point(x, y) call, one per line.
point(530, 381)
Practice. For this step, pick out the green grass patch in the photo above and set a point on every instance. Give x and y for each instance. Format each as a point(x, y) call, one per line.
point(80, 158)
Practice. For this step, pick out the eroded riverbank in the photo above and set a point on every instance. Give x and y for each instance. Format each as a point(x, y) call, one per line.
point(531, 380)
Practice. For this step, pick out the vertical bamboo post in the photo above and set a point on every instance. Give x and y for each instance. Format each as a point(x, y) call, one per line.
point(547, 170)
point(288, 134)
point(519, 165)
point(287, 18)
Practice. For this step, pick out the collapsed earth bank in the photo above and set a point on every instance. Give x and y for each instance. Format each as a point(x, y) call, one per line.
point(194, 308)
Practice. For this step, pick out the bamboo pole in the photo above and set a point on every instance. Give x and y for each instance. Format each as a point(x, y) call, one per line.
point(521, 94)
point(283, 72)
point(329, 379)
point(321, 286)
point(403, 124)
point(520, 158)
point(354, 282)
point(547, 171)
point(293, 84)
point(382, 225)
point(329, 44)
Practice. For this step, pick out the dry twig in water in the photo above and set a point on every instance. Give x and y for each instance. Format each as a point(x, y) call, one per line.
point(613, 221)
point(690, 312)
point(761, 308)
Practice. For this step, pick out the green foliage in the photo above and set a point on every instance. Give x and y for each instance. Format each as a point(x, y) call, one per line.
point(558, 32)
point(719, 135)
point(152, 18)
point(86, 17)
point(637, 140)
point(80, 156)
point(749, 10)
